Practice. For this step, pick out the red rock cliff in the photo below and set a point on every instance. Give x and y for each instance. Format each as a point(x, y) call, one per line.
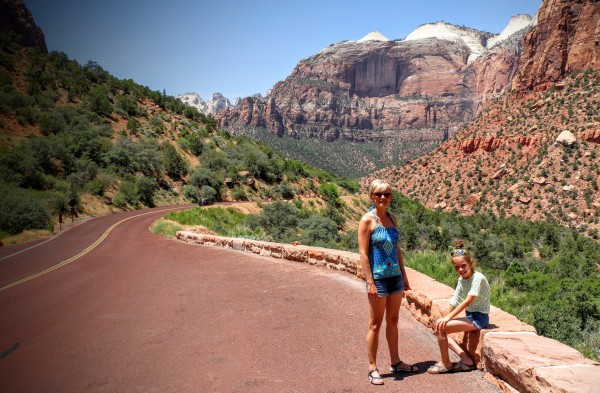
point(16, 18)
point(566, 39)
point(362, 90)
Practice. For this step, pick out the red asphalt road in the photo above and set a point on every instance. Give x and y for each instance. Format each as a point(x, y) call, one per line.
point(142, 313)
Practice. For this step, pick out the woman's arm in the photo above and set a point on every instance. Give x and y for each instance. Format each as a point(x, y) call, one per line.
point(364, 237)
point(400, 257)
point(401, 263)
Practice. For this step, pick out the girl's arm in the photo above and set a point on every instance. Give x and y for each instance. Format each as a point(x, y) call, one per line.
point(364, 236)
point(441, 323)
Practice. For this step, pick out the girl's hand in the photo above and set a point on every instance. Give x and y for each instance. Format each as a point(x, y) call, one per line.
point(440, 325)
point(372, 291)
point(406, 285)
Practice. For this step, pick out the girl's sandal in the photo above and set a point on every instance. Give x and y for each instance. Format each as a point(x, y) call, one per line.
point(395, 368)
point(375, 380)
point(460, 366)
point(439, 368)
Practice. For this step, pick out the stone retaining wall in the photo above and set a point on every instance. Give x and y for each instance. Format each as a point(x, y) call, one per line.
point(510, 352)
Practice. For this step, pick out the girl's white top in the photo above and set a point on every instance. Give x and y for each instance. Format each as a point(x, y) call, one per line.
point(476, 285)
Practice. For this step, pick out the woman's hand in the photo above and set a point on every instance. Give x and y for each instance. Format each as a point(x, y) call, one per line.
point(406, 284)
point(372, 291)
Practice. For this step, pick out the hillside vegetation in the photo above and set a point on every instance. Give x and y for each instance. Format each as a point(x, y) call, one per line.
point(75, 139)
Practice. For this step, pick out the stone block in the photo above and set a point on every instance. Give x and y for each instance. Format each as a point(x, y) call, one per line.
point(519, 358)
point(573, 378)
point(238, 244)
point(295, 253)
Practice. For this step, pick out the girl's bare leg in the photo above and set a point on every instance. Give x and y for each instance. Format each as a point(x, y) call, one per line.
point(453, 326)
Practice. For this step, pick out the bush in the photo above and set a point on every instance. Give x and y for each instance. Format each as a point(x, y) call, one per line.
point(146, 188)
point(175, 165)
point(328, 191)
point(238, 194)
point(119, 200)
point(206, 177)
point(278, 220)
point(129, 191)
point(20, 210)
point(208, 193)
point(319, 231)
point(190, 193)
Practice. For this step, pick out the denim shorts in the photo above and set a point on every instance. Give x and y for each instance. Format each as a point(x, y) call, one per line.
point(389, 285)
point(478, 319)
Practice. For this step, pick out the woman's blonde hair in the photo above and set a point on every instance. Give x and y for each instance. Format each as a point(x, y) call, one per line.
point(378, 185)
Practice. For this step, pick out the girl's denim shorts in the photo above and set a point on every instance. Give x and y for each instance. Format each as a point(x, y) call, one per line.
point(389, 285)
point(478, 319)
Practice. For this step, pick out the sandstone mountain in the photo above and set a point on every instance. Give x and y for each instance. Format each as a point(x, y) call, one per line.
point(534, 152)
point(424, 87)
point(215, 104)
point(16, 18)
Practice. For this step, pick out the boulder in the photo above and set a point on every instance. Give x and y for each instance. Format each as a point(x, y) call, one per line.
point(567, 138)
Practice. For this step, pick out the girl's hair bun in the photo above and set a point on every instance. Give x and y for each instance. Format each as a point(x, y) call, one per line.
point(459, 244)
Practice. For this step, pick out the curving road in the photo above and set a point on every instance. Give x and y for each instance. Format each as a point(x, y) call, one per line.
point(118, 309)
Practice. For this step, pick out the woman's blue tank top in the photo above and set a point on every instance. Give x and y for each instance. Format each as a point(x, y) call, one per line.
point(383, 255)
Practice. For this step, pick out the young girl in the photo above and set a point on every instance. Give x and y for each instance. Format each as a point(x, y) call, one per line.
point(473, 295)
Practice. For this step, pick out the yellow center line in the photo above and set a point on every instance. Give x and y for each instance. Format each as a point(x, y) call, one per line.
point(82, 253)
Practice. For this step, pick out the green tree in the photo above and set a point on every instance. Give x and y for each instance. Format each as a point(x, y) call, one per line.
point(174, 164)
point(146, 188)
point(99, 102)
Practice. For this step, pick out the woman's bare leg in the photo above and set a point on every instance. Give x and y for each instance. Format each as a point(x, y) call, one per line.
point(377, 311)
point(392, 314)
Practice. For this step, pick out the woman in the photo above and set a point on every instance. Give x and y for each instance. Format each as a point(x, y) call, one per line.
point(381, 260)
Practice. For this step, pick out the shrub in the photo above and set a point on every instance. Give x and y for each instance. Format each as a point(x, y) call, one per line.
point(328, 191)
point(146, 188)
point(207, 192)
point(238, 194)
point(20, 210)
point(119, 200)
point(319, 231)
point(206, 177)
point(278, 220)
point(174, 164)
point(190, 193)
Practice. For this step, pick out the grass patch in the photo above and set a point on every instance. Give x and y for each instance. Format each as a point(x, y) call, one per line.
point(225, 222)
point(165, 228)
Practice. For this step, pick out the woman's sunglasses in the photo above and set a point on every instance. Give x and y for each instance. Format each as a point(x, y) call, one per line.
point(380, 194)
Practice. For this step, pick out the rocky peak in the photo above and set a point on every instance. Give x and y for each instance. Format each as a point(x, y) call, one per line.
point(374, 36)
point(193, 99)
point(215, 104)
point(474, 39)
point(516, 24)
point(16, 18)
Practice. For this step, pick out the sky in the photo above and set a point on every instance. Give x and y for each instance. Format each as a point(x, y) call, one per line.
point(238, 47)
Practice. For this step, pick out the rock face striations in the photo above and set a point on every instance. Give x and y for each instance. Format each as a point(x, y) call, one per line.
point(424, 87)
point(16, 18)
point(566, 39)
